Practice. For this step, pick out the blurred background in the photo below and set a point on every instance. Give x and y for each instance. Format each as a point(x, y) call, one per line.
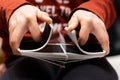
point(114, 31)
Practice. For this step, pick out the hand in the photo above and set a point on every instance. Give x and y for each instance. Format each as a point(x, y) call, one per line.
point(24, 19)
point(90, 24)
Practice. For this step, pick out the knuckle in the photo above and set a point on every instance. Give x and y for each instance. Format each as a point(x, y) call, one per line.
point(13, 42)
point(46, 14)
point(82, 38)
point(88, 20)
point(28, 17)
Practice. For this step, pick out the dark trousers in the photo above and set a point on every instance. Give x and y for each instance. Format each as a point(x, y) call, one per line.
point(26, 68)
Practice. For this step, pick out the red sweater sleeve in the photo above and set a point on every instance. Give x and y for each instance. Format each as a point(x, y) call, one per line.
point(102, 8)
point(10, 5)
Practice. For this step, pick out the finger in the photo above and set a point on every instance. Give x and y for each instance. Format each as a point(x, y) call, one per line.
point(34, 30)
point(16, 37)
point(15, 21)
point(73, 23)
point(103, 40)
point(43, 16)
point(12, 24)
point(84, 33)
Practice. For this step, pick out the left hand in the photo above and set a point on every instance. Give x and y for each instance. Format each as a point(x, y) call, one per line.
point(90, 24)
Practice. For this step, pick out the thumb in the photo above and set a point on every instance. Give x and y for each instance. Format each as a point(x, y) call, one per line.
point(73, 23)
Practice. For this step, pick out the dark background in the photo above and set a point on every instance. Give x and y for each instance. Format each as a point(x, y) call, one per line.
point(114, 32)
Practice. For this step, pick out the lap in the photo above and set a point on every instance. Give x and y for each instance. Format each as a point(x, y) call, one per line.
point(26, 68)
point(94, 69)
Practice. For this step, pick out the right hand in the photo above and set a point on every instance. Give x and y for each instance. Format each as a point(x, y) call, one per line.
point(90, 23)
point(25, 18)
